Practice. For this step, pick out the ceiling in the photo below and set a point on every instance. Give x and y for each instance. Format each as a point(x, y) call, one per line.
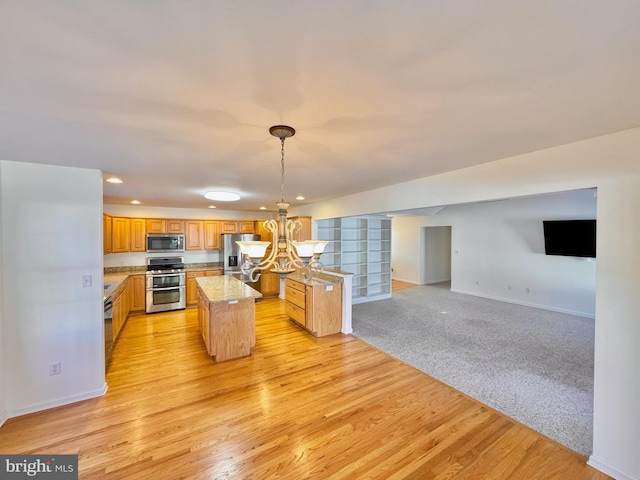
point(176, 98)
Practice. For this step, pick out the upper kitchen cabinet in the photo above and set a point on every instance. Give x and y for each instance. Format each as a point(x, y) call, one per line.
point(156, 225)
point(138, 235)
point(176, 226)
point(193, 237)
point(229, 226)
point(211, 234)
point(304, 233)
point(162, 225)
point(106, 234)
point(121, 237)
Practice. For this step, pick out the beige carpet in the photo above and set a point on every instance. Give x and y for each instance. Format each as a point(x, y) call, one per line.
point(534, 365)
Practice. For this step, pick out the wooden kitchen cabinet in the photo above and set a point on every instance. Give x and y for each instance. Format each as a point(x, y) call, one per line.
point(120, 307)
point(211, 235)
point(316, 308)
point(192, 287)
point(175, 226)
point(269, 282)
point(193, 238)
point(227, 226)
point(246, 226)
point(163, 225)
point(137, 292)
point(121, 234)
point(203, 318)
point(242, 226)
point(156, 225)
point(305, 231)
point(106, 234)
point(138, 235)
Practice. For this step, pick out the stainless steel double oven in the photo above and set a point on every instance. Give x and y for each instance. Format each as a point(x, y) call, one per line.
point(166, 284)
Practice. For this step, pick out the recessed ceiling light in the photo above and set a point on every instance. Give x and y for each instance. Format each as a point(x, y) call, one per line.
point(114, 180)
point(299, 197)
point(212, 206)
point(263, 208)
point(222, 196)
point(135, 202)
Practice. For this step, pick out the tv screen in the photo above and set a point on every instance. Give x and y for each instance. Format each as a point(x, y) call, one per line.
point(571, 238)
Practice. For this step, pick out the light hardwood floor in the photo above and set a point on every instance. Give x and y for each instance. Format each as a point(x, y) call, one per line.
point(298, 407)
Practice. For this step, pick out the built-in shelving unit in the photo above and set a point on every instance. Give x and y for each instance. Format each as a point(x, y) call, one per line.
point(362, 246)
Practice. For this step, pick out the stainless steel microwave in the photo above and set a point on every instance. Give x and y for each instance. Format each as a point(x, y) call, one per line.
point(165, 242)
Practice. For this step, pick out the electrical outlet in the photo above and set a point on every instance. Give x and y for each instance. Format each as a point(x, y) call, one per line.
point(477, 282)
point(527, 290)
point(86, 280)
point(508, 287)
point(54, 368)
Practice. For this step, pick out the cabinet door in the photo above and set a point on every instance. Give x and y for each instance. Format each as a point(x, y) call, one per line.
point(156, 225)
point(212, 273)
point(305, 231)
point(175, 226)
point(137, 293)
point(192, 287)
point(193, 237)
point(229, 227)
point(269, 284)
point(324, 309)
point(138, 235)
point(106, 234)
point(211, 235)
point(246, 226)
point(121, 234)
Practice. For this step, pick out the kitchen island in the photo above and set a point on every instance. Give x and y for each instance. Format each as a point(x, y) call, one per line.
point(227, 316)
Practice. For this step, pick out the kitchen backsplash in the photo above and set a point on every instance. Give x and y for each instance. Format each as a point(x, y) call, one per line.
point(139, 259)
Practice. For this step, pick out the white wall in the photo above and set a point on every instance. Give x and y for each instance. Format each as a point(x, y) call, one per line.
point(199, 256)
point(436, 261)
point(612, 164)
point(51, 237)
point(500, 244)
point(3, 404)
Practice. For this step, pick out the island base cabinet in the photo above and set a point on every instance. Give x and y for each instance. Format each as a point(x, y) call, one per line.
point(228, 327)
point(318, 308)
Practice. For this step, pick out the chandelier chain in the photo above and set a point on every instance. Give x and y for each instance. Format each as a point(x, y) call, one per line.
point(282, 168)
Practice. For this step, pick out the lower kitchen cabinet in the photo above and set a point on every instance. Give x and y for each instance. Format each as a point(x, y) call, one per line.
point(192, 286)
point(120, 302)
point(269, 284)
point(137, 293)
point(317, 308)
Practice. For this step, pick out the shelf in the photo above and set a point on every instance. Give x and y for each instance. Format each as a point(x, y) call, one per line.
point(362, 246)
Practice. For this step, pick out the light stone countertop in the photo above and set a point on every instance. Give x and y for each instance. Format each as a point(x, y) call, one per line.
point(223, 288)
point(111, 282)
point(318, 278)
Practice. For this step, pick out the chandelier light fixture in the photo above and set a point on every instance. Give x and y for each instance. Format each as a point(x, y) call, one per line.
point(287, 255)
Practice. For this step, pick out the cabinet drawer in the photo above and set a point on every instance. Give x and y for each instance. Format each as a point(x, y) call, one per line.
point(295, 312)
point(294, 296)
point(295, 285)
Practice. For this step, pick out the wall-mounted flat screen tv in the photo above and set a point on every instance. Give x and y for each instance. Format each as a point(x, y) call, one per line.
point(571, 238)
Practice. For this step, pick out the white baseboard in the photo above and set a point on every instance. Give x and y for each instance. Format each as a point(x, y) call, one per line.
point(3, 417)
point(526, 304)
point(58, 402)
point(604, 467)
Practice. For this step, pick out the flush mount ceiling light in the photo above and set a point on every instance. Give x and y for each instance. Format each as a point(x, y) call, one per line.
point(222, 196)
point(113, 180)
point(289, 254)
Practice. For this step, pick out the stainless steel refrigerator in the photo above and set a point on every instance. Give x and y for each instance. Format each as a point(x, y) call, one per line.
point(233, 258)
